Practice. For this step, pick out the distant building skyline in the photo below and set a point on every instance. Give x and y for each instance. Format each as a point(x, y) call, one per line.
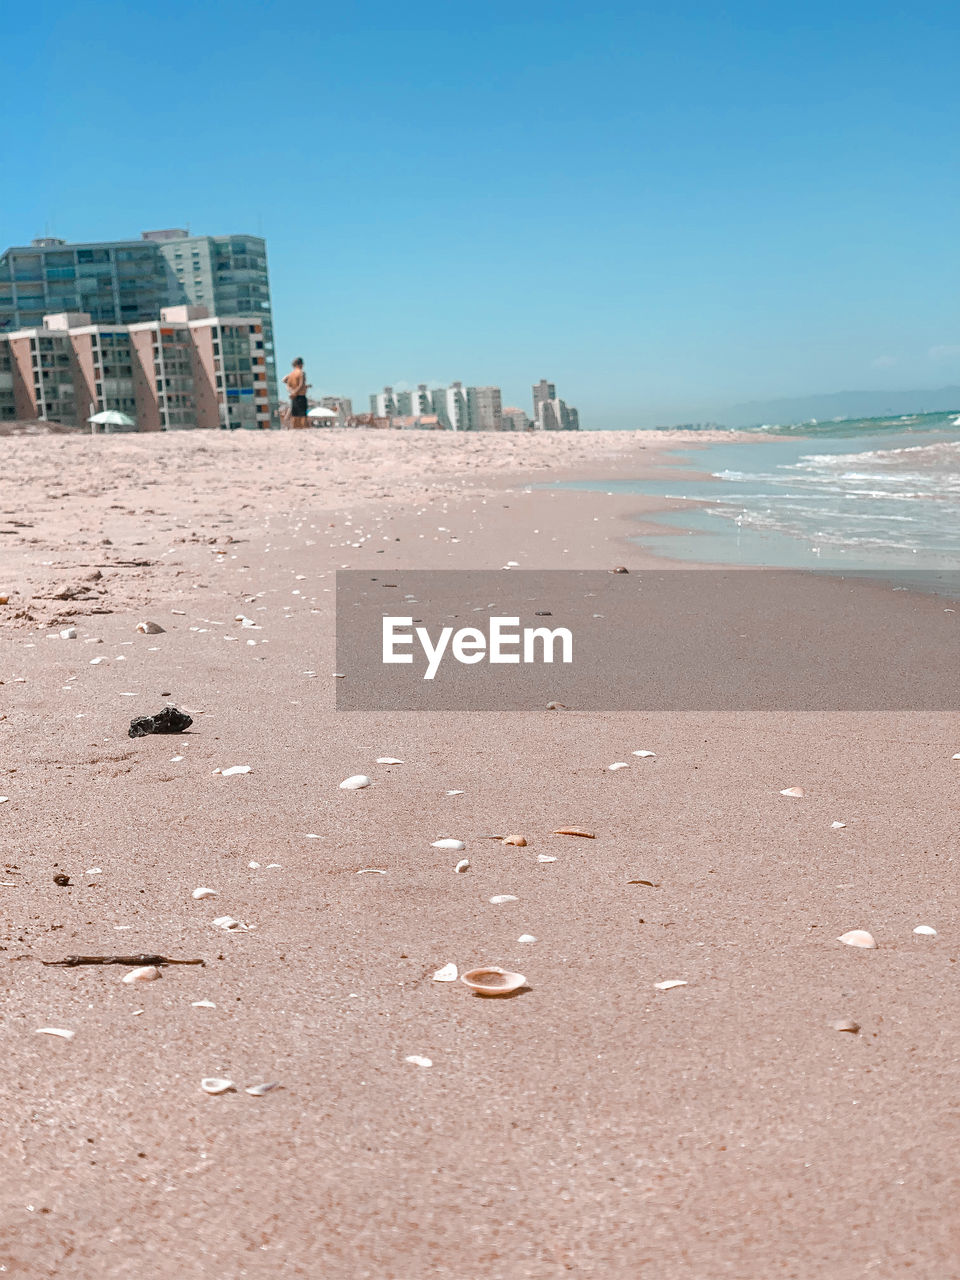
point(460, 408)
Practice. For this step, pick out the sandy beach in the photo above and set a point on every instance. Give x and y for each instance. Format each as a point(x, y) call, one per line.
point(593, 1125)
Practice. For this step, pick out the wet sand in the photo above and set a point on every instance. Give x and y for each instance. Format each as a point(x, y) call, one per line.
point(590, 1125)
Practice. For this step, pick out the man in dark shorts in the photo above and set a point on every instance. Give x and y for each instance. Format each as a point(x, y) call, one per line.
point(296, 382)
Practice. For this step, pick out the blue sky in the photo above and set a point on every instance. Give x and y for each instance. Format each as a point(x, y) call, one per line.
point(662, 212)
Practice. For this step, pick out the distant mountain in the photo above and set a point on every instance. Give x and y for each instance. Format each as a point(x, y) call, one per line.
point(840, 404)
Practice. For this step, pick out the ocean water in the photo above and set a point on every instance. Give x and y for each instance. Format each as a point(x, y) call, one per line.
point(875, 493)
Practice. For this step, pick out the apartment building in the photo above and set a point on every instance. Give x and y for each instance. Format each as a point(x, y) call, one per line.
point(186, 370)
point(551, 413)
point(484, 408)
point(125, 282)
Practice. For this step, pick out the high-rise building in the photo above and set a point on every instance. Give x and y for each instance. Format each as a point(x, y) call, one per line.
point(484, 408)
point(450, 406)
point(186, 369)
point(124, 282)
point(551, 414)
point(383, 404)
point(543, 390)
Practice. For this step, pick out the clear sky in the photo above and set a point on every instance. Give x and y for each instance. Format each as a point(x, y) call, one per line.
point(662, 208)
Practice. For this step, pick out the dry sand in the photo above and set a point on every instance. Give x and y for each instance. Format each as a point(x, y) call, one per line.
point(589, 1126)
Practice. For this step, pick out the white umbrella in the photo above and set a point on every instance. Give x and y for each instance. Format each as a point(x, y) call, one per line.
point(321, 412)
point(112, 418)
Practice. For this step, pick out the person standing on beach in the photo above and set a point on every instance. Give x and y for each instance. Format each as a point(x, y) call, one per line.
point(296, 383)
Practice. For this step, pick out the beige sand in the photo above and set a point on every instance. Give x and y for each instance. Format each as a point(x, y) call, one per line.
point(590, 1126)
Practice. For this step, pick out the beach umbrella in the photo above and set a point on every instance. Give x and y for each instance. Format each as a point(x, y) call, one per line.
point(111, 418)
point(321, 412)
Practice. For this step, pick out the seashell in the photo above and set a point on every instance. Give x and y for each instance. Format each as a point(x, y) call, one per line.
point(462, 865)
point(925, 931)
point(150, 628)
point(146, 973)
point(231, 925)
point(447, 974)
point(793, 791)
point(858, 938)
point(68, 633)
point(419, 1061)
point(620, 568)
point(519, 841)
point(203, 1004)
point(448, 844)
point(838, 826)
point(55, 1031)
point(95, 662)
point(234, 768)
point(356, 783)
point(388, 760)
point(371, 871)
point(491, 981)
point(258, 1090)
point(956, 757)
point(618, 764)
point(545, 857)
point(644, 755)
point(556, 706)
point(574, 831)
point(455, 793)
point(845, 1024)
point(216, 1084)
point(526, 937)
point(499, 898)
point(203, 892)
point(4, 799)
point(670, 984)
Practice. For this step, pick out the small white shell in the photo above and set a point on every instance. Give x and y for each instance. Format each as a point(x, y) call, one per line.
point(449, 973)
point(644, 755)
point(793, 791)
point(216, 1084)
point(455, 793)
point(492, 981)
point(545, 857)
point(355, 783)
point(234, 768)
point(55, 1031)
point(925, 931)
point(462, 865)
point(146, 973)
point(499, 898)
point(149, 628)
point(68, 633)
point(670, 984)
point(258, 1090)
point(203, 892)
point(371, 871)
point(858, 938)
point(203, 1004)
point(388, 760)
point(956, 757)
point(448, 844)
point(838, 826)
point(526, 937)
point(419, 1061)
point(231, 925)
point(619, 764)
